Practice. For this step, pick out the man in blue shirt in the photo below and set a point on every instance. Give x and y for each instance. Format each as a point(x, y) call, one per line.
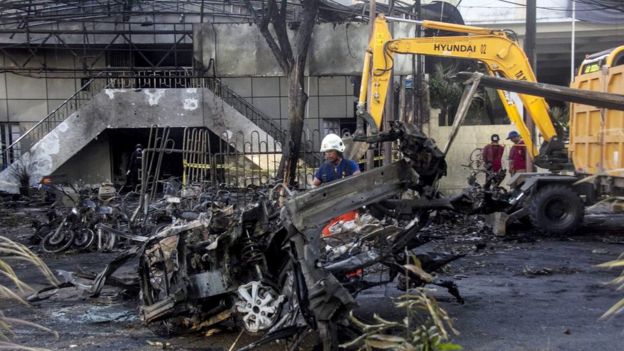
point(335, 166)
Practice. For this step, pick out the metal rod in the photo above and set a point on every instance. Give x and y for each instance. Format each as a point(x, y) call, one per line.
point(464, 105)
point(550, 91)
point(406, 20)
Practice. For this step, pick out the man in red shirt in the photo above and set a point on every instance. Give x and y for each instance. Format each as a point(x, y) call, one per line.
point(493, 154)
point(517, 154)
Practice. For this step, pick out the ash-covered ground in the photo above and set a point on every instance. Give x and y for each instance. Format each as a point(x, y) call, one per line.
point(522, 291)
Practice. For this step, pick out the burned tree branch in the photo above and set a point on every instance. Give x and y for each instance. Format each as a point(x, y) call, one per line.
point(262, 21)
point(293, 65)
point(281, 32)
point(304, 34)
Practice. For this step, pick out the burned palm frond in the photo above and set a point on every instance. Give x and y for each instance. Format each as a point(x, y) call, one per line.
point(427, 327)
point(619, 282)
point(10, 250)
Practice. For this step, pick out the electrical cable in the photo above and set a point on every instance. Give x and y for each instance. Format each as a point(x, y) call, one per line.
point(565, 9)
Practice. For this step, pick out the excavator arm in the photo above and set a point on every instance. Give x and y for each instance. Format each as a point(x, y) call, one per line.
point(502, 56)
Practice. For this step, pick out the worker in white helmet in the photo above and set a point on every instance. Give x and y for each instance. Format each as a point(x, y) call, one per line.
point(335, 166)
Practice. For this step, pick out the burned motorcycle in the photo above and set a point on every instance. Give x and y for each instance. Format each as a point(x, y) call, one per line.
point(53, 218)
point(108, 217)
point(74, 230)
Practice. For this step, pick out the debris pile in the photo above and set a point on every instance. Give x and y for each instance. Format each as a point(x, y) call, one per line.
point(255, 257)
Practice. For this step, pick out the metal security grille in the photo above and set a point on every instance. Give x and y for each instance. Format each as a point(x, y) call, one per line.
point(9, 131)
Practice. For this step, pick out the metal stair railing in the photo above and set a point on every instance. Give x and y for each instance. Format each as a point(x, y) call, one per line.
point(246, 109)
point(52, 120)
point(256, 116)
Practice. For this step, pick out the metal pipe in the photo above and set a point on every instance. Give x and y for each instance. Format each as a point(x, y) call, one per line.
point(464, 105)
point(406, 20)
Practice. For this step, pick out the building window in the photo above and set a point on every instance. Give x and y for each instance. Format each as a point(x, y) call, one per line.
point(9, 132)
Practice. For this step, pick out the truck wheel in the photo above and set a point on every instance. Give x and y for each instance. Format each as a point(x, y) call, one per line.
point(556, 209)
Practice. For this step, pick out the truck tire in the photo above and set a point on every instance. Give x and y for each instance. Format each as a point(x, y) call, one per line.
point(556, 209)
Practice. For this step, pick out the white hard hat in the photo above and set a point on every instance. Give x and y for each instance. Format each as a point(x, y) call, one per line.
point(332, 142)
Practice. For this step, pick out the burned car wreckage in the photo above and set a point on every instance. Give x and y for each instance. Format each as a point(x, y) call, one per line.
point(265, 267)
point(268, 268)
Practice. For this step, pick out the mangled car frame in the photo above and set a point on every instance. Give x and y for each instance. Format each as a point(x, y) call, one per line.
point(267, 268)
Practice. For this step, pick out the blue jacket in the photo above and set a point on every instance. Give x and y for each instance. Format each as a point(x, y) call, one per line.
point(329, 172)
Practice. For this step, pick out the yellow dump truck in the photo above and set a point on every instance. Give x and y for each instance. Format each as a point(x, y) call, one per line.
point(555, 201)
point(597, 135)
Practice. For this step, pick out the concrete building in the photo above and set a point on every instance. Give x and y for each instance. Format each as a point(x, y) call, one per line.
point(97, 74)
point(71, 80)
point(76, 77)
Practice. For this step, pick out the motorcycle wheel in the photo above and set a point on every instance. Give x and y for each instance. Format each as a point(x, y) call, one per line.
point(58, 241)
point(83, 238)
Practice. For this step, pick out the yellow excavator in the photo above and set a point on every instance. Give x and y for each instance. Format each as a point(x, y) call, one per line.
point(501, 55)
point(554, 202)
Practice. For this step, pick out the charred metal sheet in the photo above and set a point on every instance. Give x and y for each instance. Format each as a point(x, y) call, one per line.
point(314, 208)
point(129, 283)
point(122, 234)
point(112, 267)
point(361, 260)
point(47, 292)
point(326, 296)
point(208, 283)
point(160, 309)
point(407, 207)
point(70, 277)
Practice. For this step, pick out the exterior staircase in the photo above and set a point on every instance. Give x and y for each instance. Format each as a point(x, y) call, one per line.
point(72, 104)
point(92, 96)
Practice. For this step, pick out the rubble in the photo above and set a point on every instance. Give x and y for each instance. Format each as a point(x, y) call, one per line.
point(211, 255)
point(533, 271)
point(451, 235)
point(249, 259)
